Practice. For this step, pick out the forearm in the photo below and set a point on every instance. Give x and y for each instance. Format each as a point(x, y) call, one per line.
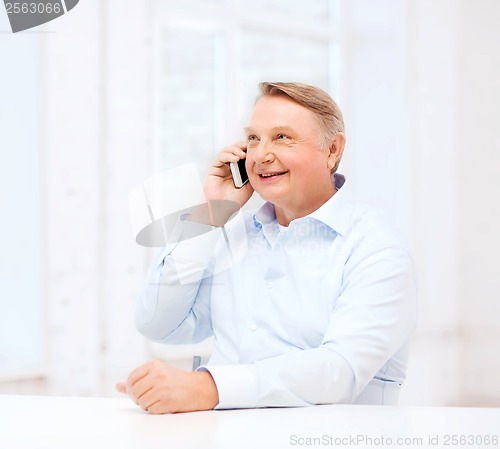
point(307, 377)
point(173, 284)
point(162, 308)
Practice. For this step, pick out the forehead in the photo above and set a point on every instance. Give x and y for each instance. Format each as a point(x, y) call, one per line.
point(280, 110)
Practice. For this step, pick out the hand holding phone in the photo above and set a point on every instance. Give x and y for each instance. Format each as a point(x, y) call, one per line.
point(227, 177)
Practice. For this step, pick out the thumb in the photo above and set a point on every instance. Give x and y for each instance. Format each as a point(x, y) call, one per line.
point(121, 388)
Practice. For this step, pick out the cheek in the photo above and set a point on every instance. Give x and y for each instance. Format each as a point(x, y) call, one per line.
point(249, 165)
point(315, 165)
point(303, 168)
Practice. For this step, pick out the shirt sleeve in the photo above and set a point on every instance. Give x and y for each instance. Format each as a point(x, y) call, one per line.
point(371, 319)
point(173, 305)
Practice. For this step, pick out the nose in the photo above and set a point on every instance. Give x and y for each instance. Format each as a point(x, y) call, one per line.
point(261, 154)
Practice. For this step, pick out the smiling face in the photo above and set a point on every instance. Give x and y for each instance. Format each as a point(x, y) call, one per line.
point(285, 161)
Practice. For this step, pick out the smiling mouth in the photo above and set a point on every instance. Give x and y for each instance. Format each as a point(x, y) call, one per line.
point(271, 175)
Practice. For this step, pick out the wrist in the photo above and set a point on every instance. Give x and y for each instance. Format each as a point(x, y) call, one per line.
point(207, 390)
point(214, 212)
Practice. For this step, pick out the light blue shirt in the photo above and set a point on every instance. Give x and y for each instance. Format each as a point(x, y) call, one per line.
point(318, 312)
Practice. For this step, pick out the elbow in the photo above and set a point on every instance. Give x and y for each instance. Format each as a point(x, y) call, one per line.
point(152, 328)
point(333, 380)
point(148, 330)
point(342, 385)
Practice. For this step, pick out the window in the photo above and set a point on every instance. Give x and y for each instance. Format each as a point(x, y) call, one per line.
point(21, 349)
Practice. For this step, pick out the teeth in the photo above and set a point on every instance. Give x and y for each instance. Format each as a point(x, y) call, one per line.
point(270, 175)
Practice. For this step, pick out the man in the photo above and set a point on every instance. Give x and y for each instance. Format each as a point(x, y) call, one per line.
point(320, 308)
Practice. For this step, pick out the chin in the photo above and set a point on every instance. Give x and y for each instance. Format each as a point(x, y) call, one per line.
point(268, 196)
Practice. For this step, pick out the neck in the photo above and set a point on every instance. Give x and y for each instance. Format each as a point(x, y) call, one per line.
point(286, 214)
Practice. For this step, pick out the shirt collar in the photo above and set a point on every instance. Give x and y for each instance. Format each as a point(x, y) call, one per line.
point(265, 218)
point(335, 213)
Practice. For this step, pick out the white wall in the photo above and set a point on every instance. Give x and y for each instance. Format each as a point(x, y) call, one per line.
point(453, 106)
point(431, 104)
point(478, 185)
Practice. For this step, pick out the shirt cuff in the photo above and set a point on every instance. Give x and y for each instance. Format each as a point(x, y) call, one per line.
point(237, 385)
point(197, 243)
point(187, 260)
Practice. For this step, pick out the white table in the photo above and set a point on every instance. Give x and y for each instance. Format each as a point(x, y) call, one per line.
point(41, 422)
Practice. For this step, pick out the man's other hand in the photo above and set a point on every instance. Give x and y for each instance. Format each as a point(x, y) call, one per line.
point(160, 388)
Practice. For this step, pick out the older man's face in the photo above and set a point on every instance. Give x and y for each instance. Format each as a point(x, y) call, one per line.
point(285, 162)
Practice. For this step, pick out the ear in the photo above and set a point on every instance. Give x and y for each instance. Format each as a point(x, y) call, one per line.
point(336, 149)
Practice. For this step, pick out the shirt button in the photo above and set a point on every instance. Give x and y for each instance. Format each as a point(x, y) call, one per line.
point(253, 327)
point(270, 285)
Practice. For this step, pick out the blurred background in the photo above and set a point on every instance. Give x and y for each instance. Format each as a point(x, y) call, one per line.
point(116, 91)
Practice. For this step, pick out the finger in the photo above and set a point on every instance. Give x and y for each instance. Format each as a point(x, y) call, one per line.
point(143, 393)
point(149, 398)
point(136, 375)
point(140, 388)
point(121, 387)
point(229, 156)
point(156, 408)
point(238, 148)
point(242, 145)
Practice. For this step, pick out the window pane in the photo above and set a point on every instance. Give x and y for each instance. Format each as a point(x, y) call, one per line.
point(281, 58)
point(20, 300)
point(186, 97)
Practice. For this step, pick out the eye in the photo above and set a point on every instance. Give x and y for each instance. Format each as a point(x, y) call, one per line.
point(281, 136)
point(252, 137)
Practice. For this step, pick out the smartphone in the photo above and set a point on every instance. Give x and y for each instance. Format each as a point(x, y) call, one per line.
point(239, 172)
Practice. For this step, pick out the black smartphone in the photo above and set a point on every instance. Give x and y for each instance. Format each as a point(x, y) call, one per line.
point(239, 172)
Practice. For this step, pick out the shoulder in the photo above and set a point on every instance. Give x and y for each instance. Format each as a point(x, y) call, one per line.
point(368, 230)
point(375, 251)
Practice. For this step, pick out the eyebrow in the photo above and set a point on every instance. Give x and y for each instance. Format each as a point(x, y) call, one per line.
point(250, 130)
